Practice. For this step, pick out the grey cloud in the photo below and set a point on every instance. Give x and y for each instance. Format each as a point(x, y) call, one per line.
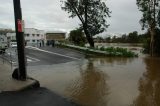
point(47, 15)
point(125, 16)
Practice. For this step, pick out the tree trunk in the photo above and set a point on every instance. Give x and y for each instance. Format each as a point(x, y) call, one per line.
point(90, 41)
point(85, 26)
point(89, 38)
point(152, 33)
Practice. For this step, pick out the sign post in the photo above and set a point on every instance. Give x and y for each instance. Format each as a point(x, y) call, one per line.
point(22, 75)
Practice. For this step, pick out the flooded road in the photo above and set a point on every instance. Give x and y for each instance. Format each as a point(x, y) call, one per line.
point(104, 81)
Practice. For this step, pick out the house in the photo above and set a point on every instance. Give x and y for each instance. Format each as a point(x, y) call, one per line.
point(3, 42)
point(35, 37)
point(11, 37)
point(55, 36)
point(32, 36)
point(3, 38)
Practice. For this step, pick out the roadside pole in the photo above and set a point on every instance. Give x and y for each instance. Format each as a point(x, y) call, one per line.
point(22, 74)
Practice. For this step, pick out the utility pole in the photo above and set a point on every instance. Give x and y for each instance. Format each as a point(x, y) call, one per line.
point(22, 74)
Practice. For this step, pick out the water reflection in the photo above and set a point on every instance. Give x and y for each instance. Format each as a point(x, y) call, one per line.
point(149, 84)
point(90, 89)
point(113, 61)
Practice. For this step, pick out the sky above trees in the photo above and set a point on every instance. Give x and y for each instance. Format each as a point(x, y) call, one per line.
point(47, 15)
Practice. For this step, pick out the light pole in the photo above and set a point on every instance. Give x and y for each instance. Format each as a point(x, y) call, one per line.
point(21, 72)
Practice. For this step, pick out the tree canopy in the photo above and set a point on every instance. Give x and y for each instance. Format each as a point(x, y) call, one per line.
point(150, 10)
point(77, 37)
point(92, 15)
point(150, 18)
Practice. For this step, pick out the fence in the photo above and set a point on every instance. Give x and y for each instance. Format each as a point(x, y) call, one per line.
point(9, 58)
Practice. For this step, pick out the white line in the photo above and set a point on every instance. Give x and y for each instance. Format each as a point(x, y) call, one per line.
point(33, 58)
point(29, 60)
point(13, 62)
point(54, 53)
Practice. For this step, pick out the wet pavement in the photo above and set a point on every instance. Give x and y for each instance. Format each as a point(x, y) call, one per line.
point(104, 81)
point(43, 56)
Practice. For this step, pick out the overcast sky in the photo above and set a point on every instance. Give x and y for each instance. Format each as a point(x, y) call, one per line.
point(47, 15)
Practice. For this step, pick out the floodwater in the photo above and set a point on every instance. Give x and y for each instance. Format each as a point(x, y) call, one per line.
point(104, 81)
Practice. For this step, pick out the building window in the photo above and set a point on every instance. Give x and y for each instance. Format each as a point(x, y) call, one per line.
point(27, 35)
point(33, 40)
point(27, 40)
point(37, 35)
point(33, 35)
point(37, 40)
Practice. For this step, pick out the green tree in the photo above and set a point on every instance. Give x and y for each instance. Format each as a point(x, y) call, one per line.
point(124, 38)
point(91, 13)
point(150, 19)
point(77, 37)
point(133, 37)
point(108, 39)
point(99, 39)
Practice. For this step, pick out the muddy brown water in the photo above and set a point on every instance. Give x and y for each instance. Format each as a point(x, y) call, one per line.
point(104, 81)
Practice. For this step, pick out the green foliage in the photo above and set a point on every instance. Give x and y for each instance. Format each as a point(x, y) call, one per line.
point(156, 44)
point(110, 51)
point(132, 37)
point(150, 19)
point(150, 10)
point(122, 52)
point(102, 48)
point(91, 13)
point(77, 37)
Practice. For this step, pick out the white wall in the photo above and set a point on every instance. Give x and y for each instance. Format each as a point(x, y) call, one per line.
point(12, 36)
point(3, 41)
point(33, 36)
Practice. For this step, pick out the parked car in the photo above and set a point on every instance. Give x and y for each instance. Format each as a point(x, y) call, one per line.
point(13, 44)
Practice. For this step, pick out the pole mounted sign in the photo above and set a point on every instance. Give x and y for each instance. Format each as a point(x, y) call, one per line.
point(20, 25)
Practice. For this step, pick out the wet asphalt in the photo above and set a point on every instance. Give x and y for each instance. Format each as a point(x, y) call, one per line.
point(34, 97)
point(41, 96)
point(50, 55)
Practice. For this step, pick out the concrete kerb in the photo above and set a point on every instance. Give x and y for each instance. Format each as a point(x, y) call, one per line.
point(35, 84)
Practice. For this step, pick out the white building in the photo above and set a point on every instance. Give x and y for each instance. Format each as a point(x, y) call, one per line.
point(3, 41)
point(33, 37)
point(3, 38)
point(11, 37)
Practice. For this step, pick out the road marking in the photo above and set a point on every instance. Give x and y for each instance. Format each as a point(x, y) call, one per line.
point(34, 59)
point(13, 62)
point(34, 48)
point(29, 60)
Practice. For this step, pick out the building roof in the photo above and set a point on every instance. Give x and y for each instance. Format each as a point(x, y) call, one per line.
point(32, 29)
point(55, 32)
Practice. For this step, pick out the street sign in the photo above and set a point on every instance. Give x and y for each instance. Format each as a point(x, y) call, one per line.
point(19, 22)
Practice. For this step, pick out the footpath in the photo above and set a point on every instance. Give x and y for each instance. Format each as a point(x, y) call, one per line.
point(7, 83)
point(16, 93)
